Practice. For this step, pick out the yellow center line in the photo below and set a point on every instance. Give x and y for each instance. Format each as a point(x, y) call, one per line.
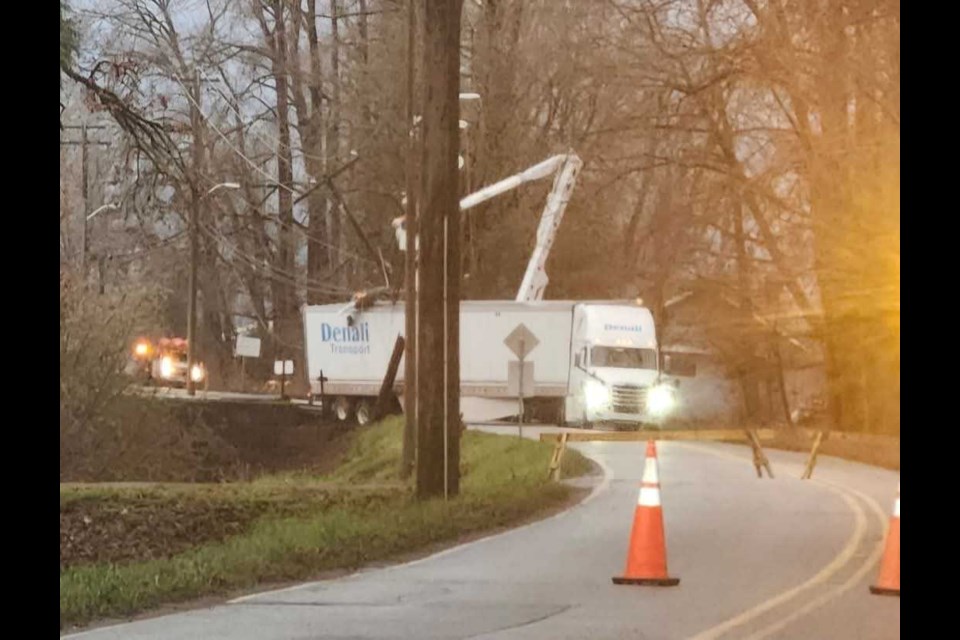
point(827, 572)
point(824, 598)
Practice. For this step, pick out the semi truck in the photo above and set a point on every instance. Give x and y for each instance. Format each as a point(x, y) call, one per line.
point(591, 363)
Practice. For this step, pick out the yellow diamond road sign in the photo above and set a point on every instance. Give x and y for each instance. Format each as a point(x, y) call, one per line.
point(521, 341)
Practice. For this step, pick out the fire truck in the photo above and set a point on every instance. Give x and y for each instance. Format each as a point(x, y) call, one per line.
point(164, 362)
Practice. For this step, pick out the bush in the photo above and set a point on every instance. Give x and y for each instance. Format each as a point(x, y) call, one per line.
point(96, 331)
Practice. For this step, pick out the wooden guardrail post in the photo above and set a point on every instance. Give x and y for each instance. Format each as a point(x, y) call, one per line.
point(812, 459)
point(760, 461)
point(553, 472)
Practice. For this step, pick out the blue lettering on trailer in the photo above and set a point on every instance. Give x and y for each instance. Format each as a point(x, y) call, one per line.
point(353, 340)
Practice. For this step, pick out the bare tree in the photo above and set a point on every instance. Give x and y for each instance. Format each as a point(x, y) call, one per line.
point(747, 152)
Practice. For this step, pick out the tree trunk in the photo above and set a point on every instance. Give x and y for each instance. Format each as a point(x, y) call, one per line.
point(334, 226)
point(286, 318)
point(310, 123)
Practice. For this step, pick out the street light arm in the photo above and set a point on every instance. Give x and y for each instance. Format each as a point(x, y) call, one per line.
point(222, 185)
point(192, 281)
point(110, 206)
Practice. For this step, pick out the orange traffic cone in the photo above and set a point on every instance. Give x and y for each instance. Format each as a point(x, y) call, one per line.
point(888, 584)
point(647, 555)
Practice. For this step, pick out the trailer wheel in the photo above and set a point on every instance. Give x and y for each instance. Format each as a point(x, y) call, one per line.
point(342, 408)
point(364, 412)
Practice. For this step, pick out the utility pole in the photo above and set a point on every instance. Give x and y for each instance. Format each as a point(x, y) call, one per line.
point(84, 189)
point(192, 286)
point(438, 401)
point(410, 260)
point(84, 144)
point(195, 123)
point(196, 196)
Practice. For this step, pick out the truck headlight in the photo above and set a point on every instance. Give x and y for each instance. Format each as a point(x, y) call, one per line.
point(166, 367)
point(597, 394)
point(197, 373)
point(661, 399)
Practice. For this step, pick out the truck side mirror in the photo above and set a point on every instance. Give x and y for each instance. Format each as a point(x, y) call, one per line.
point(576, 361)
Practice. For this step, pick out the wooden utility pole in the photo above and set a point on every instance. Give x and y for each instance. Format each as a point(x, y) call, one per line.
point(195, 176)
point(285, 309)
point(438, 414)
point(410, 261)
point(84, 144)
point(196, 122)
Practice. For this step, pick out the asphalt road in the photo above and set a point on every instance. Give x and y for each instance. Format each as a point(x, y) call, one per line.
point(771, 558)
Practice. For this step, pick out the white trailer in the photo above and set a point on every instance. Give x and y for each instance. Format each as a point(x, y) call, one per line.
point(594, 362)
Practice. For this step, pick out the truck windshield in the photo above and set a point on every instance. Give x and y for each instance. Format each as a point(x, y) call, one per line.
point(623, 358)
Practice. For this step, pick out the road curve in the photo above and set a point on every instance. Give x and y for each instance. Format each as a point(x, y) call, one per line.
point(771, 558)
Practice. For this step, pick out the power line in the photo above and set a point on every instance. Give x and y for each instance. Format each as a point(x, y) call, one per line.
point(265, 136)
point(273, 272)
point(84, 143)
point(230, 144)
point(296, 226)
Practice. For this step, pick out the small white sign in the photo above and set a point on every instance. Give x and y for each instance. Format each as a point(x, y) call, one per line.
point(281, 367)
point(247, 347)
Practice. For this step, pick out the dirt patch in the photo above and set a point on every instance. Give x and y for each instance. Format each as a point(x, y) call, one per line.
point(313, 447)
point(118, 530)
point(159, 440)
point(133, 522)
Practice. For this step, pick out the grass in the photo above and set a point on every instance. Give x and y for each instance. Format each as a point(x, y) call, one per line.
point(358, 514)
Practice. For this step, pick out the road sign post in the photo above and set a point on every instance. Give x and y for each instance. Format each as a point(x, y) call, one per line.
point(520, 393)
point(283, 368)
point(323, 394)
point(521, 341)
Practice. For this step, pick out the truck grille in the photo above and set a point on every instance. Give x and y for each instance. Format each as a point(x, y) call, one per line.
point(629, 398)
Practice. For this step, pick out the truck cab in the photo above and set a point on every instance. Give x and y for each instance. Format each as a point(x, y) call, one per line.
point(164, 362)
point(615, 378)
